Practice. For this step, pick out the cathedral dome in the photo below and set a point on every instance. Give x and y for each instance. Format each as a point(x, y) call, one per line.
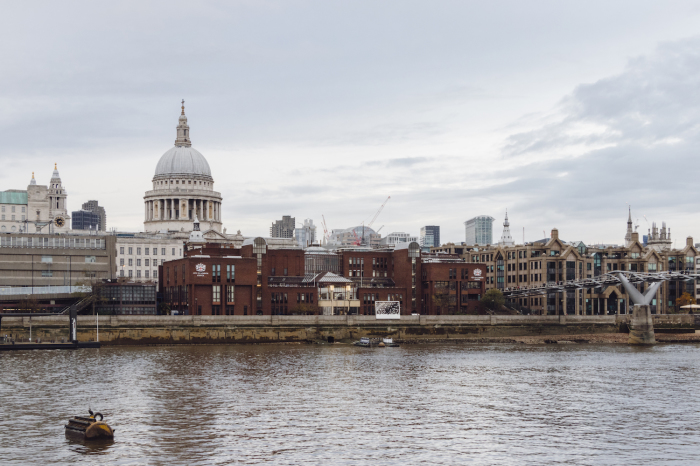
point(182, 161)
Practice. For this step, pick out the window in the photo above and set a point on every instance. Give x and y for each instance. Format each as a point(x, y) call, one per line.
point(3, 217)
point(147, 262)
point(229, 294)
point(90, 259)
point(13, 217)
point(146, 251)
point(173, 251)
point(3, 208)
point(155, 274)
point(652, 267)
point(23, 209)
point(162, 251)
point(23, 218)
point(231, 273)
point(131, 272)
point(121, 261)
point(155, 251)
point(138, 251)
point(131, 250)
point(285, 272)
point(121, 273)
point(216, 273)
point(47, 259)
point(121, 250)
point(216, 294)
point(155, 261)
point(131, 262)
point(47, 273)
point(146, 273)
point(138, 274)
point(13, 209)
point(138, 262)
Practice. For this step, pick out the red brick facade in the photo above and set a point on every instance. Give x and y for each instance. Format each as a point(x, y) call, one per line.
point(218, 280)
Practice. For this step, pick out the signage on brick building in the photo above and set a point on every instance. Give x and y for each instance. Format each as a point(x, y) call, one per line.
point(477, 274)
point(387, 309)
point(200, 270)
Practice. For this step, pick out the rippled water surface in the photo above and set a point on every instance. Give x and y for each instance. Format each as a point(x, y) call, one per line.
point(339, 404)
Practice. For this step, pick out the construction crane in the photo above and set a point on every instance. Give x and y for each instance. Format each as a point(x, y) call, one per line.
point(379, 228)
point(358, 241)
point(326, 236)
point(369, 225)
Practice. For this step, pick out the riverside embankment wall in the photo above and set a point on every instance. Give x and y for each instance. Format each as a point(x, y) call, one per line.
point(139, 330)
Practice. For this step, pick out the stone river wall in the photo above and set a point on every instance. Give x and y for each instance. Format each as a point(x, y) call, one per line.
point(145, 330)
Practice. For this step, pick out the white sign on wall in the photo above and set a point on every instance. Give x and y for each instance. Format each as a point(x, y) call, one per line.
point(387, 309)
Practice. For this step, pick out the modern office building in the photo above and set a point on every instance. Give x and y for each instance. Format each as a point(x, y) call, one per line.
point(96, 208)
point(397, 237)
point(306, 235)
point(430, 236)
point(479, 230)
point(85, 220)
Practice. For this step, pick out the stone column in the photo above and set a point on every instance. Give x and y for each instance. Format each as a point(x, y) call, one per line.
point(641, 326)
point(617, 300)
point(605, 306)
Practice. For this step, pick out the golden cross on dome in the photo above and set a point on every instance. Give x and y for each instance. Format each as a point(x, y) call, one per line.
point(183, 106)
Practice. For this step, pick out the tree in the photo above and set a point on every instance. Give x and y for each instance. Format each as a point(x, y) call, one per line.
point(441, 299)
point(684, 300)
point(493, 299)
point(28, 304)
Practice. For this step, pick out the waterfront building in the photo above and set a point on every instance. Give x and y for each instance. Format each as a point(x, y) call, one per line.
point(38, 263)
point(85, 220)
point(506, 238)
point(429, 236)
point(182, 187)
point(220, 279)
point(306, 235)
point(552, 260)
point(38, 209)
point(283, 228)
point(138, 255)
point(123, 297)
point(95, 207)
point(479, 230)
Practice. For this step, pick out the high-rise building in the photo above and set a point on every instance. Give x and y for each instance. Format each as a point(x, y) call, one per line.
point(306, 235)
point(94, 207)
point(85, 220)
point(430, 236)
point(479, 230)
point(283, 228)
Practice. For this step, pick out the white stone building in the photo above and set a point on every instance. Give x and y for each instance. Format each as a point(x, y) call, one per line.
point(38, 209)
point(182, 187)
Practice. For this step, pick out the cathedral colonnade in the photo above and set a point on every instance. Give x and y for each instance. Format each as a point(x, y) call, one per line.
point(183, 208)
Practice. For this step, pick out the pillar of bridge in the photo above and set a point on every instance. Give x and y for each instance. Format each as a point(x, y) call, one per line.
point(642, 326)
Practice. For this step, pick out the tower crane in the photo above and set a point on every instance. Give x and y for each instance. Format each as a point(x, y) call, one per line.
point(326, 236)
point(369, 225)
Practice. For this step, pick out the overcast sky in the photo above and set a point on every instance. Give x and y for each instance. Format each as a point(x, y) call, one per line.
point(561, 112)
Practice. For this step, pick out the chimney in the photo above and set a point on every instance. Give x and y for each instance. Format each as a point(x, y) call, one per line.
point(689, 241)
point(555, 233)
point(635, 237)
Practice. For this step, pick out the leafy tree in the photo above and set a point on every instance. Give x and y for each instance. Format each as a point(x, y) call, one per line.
point(305, 309)
point(684, 300)
point(493, 299)
point(441, 299)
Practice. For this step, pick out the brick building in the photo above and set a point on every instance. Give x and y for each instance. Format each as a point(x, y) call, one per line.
point(219, 279)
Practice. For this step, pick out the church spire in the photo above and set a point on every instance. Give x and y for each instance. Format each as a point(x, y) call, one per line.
point(628, 235)
point(506, 239)
point(183, 130)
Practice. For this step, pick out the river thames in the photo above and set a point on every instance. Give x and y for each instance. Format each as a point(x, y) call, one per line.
point(340, 404)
